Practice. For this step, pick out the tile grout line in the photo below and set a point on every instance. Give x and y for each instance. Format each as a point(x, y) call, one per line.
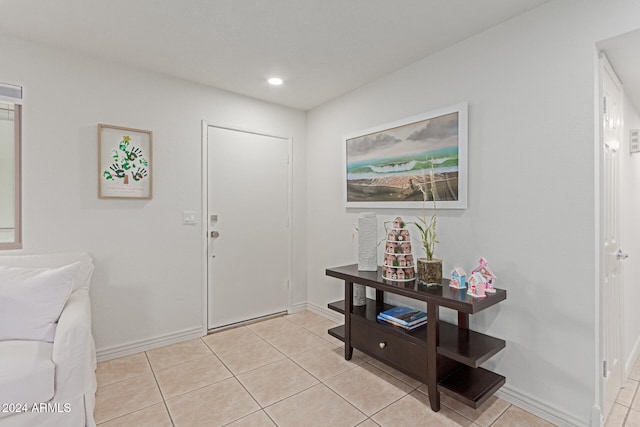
point(262, 408)
point(288, 357)
point(164, 400)
point(628, 411)
point(138, 409)
point(340, 396)
point(320, 382)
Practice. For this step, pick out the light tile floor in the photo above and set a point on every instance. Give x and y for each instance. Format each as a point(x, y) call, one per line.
point(285, 372)
point(626, 409)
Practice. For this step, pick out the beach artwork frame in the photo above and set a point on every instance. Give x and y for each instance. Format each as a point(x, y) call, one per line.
point(124, 163)
point(389, 166)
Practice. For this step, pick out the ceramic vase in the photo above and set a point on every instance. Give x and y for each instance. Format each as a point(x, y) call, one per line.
point(367, 242)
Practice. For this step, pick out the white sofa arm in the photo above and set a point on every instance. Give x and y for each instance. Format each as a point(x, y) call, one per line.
point(74, 349)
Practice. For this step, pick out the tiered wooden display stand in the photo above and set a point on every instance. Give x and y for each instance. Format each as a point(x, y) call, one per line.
point(443, 356)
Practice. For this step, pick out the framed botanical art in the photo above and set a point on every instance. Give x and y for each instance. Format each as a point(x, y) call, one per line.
point(124, 163)
point(405, 163)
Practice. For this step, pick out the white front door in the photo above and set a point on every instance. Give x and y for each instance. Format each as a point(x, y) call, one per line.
point(248, 214)
point(612, 134)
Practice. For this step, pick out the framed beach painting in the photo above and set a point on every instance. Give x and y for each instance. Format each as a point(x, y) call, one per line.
point(124, 163)
point(404, 163)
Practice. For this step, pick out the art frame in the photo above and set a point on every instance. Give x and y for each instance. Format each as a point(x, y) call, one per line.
point(390, 165)
point(124, 163)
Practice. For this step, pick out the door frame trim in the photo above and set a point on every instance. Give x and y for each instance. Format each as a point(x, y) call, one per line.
point(597, 417)
point(205, 211)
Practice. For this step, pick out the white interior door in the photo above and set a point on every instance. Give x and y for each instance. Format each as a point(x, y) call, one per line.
point(248, 209)
point(612, 307)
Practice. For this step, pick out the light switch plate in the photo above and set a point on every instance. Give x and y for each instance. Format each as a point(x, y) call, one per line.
point(189, 218)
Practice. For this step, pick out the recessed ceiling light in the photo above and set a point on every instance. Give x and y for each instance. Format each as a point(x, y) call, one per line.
point(275, 81)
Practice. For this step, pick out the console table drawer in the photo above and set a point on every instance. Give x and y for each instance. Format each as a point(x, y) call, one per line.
point(389, 347)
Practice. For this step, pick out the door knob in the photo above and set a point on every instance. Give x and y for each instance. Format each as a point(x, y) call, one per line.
point(621, 255)
point(215, 234)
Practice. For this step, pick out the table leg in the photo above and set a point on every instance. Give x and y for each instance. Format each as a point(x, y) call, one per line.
point(379, 300)
point(348, 309)
point(432, 356)
point(463, 320)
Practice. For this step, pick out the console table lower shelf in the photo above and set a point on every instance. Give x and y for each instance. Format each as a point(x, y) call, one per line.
point(444, 356)
point(471, 386)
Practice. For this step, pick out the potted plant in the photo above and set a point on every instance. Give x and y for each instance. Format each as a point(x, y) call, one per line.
point(429, 268)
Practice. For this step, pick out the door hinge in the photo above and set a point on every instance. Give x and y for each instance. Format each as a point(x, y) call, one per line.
point(604, 105)
point(605, 373)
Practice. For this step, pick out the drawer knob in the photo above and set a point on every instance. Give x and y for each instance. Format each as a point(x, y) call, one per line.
point(383, 344)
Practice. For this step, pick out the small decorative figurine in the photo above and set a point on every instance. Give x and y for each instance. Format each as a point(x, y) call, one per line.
point(458, 278)
point(398, 223)
point(391, 247)
point(477, 285)
point(392, 236)
point(389, 259)
point(487, 274)
point(405, 247)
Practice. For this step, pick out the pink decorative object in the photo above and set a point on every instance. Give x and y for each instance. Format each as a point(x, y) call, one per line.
point(484, 270)
point(398, 261)
point(458, 278)
point(477, 285)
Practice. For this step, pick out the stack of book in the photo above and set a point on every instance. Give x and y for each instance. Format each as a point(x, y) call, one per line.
point(404, 317)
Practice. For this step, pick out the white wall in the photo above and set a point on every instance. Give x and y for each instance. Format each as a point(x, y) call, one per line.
point(530, 87)
point(629, 238)
point(147, 283)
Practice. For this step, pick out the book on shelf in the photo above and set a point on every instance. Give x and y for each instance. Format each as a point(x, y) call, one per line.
point(404, 315)
point(400, 325)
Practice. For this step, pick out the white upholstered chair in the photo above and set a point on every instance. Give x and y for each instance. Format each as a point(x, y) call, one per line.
point(47, 366)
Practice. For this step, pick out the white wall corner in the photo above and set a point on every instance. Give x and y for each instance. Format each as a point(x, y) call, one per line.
point(326, 313)
point(544, 410)
point(297, 308)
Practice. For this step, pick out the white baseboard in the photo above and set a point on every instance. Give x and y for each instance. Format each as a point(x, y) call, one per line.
point(544, 410)
point(297, 308)
point(597, 417)
point(326, 313)
point(516, 397)
point(108, 353)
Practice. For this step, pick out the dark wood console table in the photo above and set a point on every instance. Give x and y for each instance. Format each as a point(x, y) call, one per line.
point(443, 356)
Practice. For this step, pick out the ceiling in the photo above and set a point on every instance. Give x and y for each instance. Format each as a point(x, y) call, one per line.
point(623, 53)
point(321, 48)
